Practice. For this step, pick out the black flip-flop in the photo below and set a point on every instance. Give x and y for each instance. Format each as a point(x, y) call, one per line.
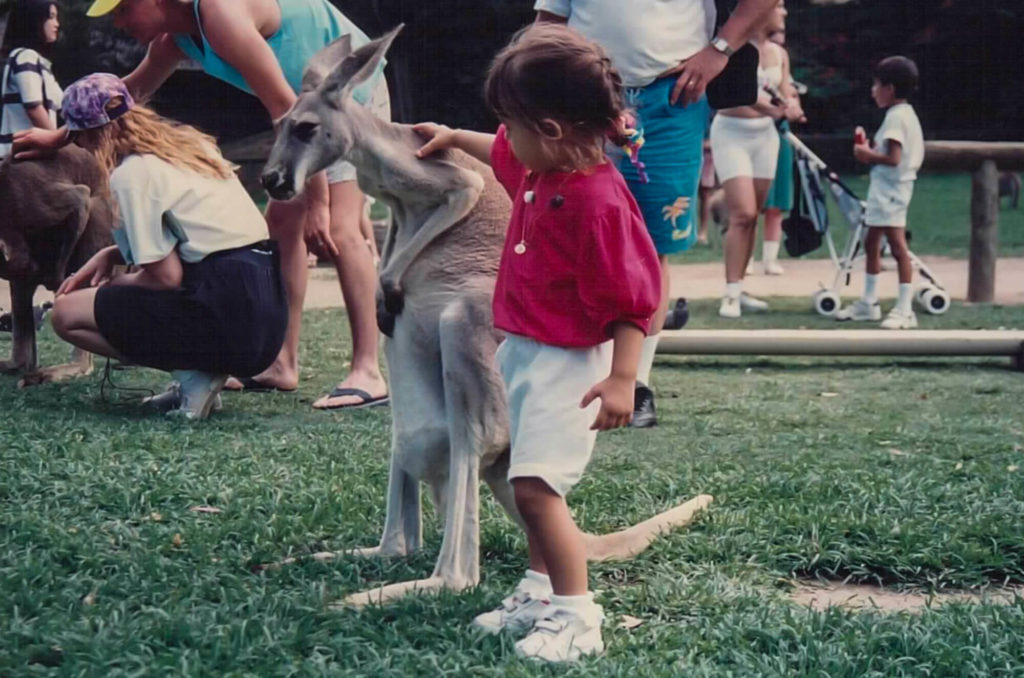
point(250, 385)
point(368, 400)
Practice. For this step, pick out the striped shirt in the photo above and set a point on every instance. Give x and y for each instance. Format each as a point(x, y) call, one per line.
point(27, 81)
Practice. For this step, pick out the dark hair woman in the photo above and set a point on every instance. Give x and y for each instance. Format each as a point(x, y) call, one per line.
point(31, 95)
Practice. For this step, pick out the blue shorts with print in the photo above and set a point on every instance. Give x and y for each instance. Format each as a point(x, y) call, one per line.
point(672, 154)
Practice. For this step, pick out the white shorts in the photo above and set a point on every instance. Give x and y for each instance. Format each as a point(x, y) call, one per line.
point(550, 434)
point(887, 203)
point(744, 147)
point(380, 105)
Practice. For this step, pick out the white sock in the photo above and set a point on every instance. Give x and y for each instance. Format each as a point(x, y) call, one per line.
point(578, 604)
point(906, 298)
point(769, 250)
point(733, 290)
point(870, 288)
point(538, 578)
point(643, 370)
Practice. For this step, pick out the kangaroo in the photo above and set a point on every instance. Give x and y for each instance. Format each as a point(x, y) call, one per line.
point(57, 215)
point(438, 268)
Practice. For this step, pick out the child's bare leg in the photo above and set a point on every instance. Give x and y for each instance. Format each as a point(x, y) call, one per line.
point(897, 238)
point(873, 250)
point(556, 545)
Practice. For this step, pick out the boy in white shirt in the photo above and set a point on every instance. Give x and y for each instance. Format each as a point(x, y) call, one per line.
point(895, 156)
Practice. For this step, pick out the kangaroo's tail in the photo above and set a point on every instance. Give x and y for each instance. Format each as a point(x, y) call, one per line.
point(633, 540)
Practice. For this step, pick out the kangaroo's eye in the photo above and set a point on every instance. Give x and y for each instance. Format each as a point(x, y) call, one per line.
point(304, 131)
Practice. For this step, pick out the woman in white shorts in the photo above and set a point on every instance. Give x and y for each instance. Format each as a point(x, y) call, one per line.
point(745, 148)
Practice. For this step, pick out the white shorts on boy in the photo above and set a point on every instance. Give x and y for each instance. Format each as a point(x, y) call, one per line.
point(550, 433)
point(887, 203)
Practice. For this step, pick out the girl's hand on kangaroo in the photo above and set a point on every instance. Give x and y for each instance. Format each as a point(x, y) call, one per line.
point(439, 137)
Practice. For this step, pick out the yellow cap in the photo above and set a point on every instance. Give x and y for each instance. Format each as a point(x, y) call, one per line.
point(101, 7)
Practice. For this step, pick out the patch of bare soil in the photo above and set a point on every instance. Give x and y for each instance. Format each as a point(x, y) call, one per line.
point(868, 597)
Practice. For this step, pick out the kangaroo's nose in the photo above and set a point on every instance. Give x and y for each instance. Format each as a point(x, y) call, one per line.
point(271, 179)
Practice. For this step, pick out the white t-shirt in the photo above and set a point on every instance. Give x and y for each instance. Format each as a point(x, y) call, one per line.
point(643, 38)
point(215, 214)
point(900, 124)
point(27, 80)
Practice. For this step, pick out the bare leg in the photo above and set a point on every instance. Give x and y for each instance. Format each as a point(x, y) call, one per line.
point(742, 201)
point(897, 238)
point(75, 322)
point(873, 251)
point(703, 214)
point(659, 316)
point(358, 277)
point(286, 222)
point(772, 225)
point(551, 530)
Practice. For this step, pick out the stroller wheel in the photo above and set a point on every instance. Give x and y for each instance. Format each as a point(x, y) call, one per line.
point(935, 301)
point(826, 303)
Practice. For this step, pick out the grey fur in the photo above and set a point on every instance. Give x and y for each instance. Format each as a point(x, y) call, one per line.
point(56, 215)
point(438, 268)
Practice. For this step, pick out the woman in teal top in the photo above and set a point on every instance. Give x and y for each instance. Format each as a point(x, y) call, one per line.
point(262, 47)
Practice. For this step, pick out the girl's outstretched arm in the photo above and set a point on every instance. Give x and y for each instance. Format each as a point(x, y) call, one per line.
point(440, 137)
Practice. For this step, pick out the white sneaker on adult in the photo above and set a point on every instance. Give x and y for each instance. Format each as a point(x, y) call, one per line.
point(898, 320)
point(565, 635)
point(860, 310)
point(749, 303)
point(529, 602)
point(730, 307)
point(773, 267)
point(199, 392)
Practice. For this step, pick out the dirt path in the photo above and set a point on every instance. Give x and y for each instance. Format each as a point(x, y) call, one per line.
point(705, 281)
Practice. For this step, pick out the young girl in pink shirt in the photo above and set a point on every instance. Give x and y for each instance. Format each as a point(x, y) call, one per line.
point(578, 284)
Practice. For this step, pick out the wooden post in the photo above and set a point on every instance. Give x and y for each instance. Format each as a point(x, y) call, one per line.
point(981, 275)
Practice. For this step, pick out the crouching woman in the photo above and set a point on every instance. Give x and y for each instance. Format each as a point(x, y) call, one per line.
point(203, 296)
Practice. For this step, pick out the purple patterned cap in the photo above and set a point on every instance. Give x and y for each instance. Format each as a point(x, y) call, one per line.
point(85, 101)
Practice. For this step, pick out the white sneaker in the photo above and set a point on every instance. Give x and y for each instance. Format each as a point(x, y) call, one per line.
point(518, 612)
point(564, 635)
point(773, 267)
point(730, 307)
point(198, 393)
point(860, 310)
point(749, 303)
point(171, 400)
point(897, 320)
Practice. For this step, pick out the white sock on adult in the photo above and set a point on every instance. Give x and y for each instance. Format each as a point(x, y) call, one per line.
point(906, 297)
point(733, 290)
point(870, 288)
point(769, 251)
point(643, 370)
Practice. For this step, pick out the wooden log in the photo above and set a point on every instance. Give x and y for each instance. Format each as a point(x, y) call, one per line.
point(967, 156)
point(981, 274)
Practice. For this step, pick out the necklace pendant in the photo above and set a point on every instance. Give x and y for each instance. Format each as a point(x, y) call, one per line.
point(520, 247)
point(528, 197)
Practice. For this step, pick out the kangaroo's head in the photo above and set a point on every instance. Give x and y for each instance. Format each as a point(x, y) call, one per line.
point(319, 129)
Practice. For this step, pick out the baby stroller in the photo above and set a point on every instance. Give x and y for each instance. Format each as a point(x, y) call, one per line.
point(808, 227)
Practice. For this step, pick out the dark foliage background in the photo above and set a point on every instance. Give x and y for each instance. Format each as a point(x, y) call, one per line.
point(969, 52)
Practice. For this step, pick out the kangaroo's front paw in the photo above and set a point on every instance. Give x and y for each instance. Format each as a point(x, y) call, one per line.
point(385, 318)
point(394, 297)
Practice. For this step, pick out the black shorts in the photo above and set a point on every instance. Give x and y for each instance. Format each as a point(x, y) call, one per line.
point(228, 316)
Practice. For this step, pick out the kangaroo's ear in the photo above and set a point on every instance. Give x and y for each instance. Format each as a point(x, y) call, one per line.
point(360, 65)
point(325, 61)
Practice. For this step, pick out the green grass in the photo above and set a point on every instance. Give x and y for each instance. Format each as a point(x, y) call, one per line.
point(94, 581)
point(939, 221)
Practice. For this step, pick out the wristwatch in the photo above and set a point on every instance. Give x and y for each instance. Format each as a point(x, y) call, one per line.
point(722, 45)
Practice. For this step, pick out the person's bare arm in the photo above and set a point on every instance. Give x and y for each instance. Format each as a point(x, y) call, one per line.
point(162, 57)
point(439, 137)
point(165, 274)
point(705, 65)
point(543, 16)
point(864, 153)
point(39, 116)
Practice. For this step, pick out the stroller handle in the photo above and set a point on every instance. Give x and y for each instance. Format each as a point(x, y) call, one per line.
point(802, 149)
